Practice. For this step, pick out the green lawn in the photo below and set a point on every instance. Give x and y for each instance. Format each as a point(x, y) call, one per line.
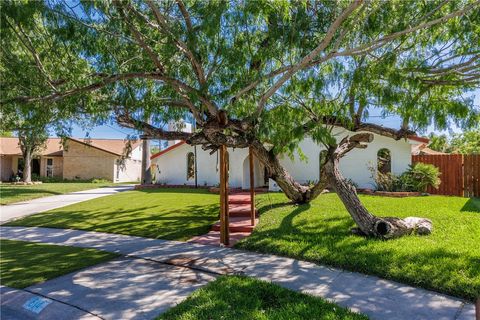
point(235, 297)
point(14, 193)
point(23, 264)
point(448, 260)
point(174, 214)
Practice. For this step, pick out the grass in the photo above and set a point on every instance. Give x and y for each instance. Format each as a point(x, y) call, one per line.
point(15, 193)
point(173, 214)
point(447, 261)
point(23, 264)
point(235, 297)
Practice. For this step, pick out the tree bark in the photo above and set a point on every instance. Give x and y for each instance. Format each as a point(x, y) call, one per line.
point(146, 175)
point(27, 169)
point(368, 224)
point(292, 189)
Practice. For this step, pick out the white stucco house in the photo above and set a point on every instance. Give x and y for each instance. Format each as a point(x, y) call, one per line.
point(175, 165)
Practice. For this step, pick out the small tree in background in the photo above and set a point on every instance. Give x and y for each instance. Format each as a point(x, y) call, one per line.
point(467, 142)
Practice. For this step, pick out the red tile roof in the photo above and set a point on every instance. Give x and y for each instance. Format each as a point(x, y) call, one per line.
point(419, 139)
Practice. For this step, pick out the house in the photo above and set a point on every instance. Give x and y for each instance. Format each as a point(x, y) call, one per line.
point(79, 159)
point(175, 165)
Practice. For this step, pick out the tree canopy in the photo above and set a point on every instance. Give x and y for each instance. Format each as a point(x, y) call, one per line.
point(276, 64)
point(467, 142)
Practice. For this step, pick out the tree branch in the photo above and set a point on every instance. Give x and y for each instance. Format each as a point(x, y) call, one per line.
point(140, 40)
point(311, 56)
point(182, 46)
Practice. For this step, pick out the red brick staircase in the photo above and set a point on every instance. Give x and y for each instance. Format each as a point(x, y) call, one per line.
point(240, 225)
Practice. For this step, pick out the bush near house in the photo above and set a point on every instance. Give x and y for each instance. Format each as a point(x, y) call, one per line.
point(416, 179)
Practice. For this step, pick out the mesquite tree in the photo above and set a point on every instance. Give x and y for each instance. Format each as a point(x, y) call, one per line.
point(258, 73)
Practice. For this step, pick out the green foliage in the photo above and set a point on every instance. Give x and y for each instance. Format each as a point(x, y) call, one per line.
point(445, 261)
point(439, 143)
point(48, 49)
point(419, 176)
point(467, 142)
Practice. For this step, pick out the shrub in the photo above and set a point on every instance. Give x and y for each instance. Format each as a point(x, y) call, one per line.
point(419, 176)
point(99, 180)
point(384, 181)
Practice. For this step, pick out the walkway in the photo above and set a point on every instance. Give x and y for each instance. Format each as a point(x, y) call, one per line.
point(240, 223)
point(378, 298)
point(26, 208)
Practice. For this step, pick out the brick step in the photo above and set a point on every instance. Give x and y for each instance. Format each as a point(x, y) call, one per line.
point(240, 210)
point(237, 224)
point(239, 201)
point(239, 198)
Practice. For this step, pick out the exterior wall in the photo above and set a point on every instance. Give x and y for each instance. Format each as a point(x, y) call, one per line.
point(84, 162)
point(131, 171)
point(132, 168)
point(170, 168)
point(6, 167)
point(57, 166)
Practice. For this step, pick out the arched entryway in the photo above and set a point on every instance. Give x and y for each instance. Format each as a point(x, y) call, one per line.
point(259, 174)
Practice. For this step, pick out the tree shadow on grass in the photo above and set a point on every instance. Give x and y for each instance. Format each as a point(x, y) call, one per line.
point(472, 205)
point(146, 221)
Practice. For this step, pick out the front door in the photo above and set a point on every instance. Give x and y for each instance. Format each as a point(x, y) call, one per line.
point(36, 167)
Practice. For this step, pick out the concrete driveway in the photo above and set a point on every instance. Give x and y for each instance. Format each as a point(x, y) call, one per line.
point(26, 208)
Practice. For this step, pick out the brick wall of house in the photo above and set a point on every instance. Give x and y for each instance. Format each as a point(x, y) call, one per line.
point(57, 166)
point(84, 162)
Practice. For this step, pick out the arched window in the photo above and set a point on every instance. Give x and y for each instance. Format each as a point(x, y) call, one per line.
point(384, 161)
point(322, 159)
point(190, 166)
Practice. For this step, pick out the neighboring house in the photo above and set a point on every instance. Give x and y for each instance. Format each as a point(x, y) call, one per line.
point(176, 164)
point(423, 149)
point(80, 159)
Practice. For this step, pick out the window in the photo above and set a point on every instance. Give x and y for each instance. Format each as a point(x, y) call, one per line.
point(49, 171)
point(190, 166)
point(384, 161)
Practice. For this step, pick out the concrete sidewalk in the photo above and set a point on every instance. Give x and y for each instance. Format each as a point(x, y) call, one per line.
point(378, 298)
point(26, 208)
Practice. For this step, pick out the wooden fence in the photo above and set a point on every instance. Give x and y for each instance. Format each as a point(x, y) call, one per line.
point(460, 174)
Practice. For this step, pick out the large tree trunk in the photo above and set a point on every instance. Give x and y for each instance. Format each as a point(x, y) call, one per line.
point(292, 189)
point(27, 169)
point(368, 224)
point(146, 175)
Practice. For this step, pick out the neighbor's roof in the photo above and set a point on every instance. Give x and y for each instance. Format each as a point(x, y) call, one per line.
point(176, 145)
point(115, 146)
point(419, 139)
point(423, 149)
point(9, 146)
